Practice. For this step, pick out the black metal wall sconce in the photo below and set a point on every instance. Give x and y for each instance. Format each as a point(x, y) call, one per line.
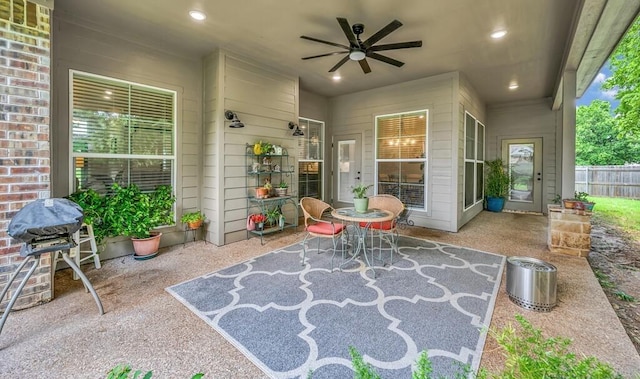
point(298, 132)
point(233, 117)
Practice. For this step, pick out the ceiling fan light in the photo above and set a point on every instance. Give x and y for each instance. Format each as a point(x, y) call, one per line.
point(197, 15)
point(357, 55)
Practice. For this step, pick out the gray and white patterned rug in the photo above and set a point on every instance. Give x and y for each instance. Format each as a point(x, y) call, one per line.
point(290, 319)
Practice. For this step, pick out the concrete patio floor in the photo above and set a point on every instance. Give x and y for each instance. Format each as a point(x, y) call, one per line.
point(147, 328)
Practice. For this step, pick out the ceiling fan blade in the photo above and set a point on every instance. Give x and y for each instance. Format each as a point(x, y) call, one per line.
point(346, 28)
point(337, 66)
point(325, 42)
point(365, 65)
point(394, 46)
point(325, 55)
point(393, 25)
point(384, 59)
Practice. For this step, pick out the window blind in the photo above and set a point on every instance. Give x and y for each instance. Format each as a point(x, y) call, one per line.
point(121, 133)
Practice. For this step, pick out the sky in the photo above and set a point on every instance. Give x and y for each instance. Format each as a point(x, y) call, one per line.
point(595, 92)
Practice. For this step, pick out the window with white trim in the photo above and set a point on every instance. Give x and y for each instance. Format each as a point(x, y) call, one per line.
point(122, 133)
point(473, 161)
point(310, 158)
point(401, 157)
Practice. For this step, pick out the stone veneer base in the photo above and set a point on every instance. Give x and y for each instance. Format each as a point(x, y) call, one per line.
point(569, 231)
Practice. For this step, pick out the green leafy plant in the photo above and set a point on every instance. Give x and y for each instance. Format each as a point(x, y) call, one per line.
point(362, 370)
point(603, 279)
point(93, 205)
point(283, 184)
point(124, 372)
point(133, 213)
point(580, 196)
point(557, 199)
point(273, 215)
point(529, 355)
point(624, 296)
point(497, 179)
point(360, 191)
point(192, 217)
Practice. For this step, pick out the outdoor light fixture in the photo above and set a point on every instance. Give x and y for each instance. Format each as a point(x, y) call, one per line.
point(231, 116)
point(297, 132)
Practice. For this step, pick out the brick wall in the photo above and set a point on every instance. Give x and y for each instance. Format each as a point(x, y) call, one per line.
point(24, 133)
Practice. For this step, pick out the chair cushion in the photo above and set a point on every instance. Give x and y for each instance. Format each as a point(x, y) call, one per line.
point(385, 225)
point(325, 228)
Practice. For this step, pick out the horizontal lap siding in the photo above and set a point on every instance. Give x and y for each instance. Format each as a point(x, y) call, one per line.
point(523, 120)
point(265, 100)
point(90, 50)
point(356, 113)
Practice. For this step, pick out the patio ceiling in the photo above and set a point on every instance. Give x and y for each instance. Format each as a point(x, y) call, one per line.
point(455, 35)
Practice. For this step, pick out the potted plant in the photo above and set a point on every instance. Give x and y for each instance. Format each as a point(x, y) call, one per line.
point(579, 201)
point(496, 185)
point(257, 220)
point(273, 216)
point(193, 219)
point(133, 213)
point(282, 188)
point(360, 199)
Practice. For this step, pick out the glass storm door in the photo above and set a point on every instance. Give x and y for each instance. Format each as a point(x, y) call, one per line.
point(523, 158)
point(347, 170)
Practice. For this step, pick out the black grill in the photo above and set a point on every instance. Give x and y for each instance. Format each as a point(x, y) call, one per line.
point(45, 226)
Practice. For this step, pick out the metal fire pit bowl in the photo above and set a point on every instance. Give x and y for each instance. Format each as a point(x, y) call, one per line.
point(531, 283)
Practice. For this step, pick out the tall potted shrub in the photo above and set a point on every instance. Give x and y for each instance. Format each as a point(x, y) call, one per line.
point(496, 187)
point(133, 213)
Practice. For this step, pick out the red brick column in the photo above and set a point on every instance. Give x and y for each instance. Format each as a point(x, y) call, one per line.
point(24, 133)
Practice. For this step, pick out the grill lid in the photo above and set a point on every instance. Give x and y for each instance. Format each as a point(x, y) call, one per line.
point(45, 219)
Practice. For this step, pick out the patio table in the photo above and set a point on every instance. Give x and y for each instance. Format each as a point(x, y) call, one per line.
point(358, 220)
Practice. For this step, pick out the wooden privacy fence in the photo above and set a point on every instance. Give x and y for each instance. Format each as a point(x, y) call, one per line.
point(609, 181)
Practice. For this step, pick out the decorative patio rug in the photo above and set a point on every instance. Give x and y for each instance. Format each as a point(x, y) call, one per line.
point(291, 319)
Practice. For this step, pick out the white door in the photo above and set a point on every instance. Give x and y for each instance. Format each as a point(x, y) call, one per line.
point(523, 158)
point(347, 167)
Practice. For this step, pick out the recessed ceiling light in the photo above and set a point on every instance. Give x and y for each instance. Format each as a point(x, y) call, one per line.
point(197, 15)
point(498, 34)
point(513, 86)
point(336, 77)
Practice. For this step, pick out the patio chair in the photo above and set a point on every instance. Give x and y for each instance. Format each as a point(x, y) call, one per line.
point(387, 230)
point(316, 227)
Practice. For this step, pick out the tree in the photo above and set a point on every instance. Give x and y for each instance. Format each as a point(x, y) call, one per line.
point(597, 139)
point(625, 78)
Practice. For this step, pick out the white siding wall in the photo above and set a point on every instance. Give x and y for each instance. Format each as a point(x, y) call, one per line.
point(356, 113)
point(265, 100)
point(315, 107)
point(469, 101)
point(86, 49)
point(529, 119)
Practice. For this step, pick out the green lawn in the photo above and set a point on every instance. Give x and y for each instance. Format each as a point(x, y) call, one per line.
point(624, 213)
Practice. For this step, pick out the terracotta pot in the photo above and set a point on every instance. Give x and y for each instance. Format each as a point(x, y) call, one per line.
point(146, 246)
point(569, 203)
point(261, 192)
point(194, 224)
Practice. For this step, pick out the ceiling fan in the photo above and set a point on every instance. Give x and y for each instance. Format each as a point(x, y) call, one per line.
point(359, 50)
